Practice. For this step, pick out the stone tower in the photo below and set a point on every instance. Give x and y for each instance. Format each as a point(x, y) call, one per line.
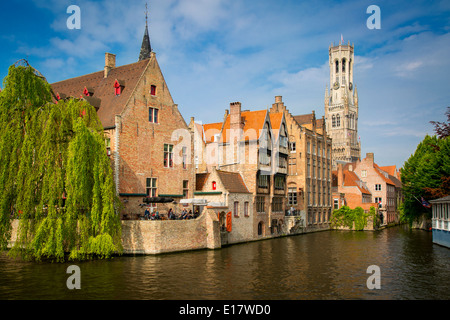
point(341, 105)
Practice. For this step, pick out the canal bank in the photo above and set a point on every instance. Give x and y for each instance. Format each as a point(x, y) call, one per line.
point(147, 237)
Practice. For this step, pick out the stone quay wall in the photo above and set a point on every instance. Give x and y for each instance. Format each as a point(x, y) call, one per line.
point(163, 236)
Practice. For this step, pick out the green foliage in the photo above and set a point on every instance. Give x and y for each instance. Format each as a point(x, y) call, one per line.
point(425, 174)
point(49, 152)
point(349, 218)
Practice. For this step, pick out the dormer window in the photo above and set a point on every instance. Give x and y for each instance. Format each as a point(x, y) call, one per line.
point(118, 87)
point(60, 96)
point(88, 91)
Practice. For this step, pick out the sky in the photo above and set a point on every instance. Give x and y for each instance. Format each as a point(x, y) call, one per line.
point(214, 52)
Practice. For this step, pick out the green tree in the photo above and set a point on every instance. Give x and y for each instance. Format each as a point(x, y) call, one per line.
point(55, 176)
point(426, 174)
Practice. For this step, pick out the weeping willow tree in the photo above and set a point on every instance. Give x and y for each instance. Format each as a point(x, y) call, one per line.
point(55, 176)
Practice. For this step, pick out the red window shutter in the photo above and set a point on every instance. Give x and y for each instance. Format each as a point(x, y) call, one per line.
point(117, 88)
point(153, 90)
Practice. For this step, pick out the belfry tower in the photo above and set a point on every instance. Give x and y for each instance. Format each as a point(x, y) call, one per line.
point(341, 105)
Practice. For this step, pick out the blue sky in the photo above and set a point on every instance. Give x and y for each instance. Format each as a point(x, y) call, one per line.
point(213, 52)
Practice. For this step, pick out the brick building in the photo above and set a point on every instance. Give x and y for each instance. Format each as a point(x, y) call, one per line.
point(253, 144)
point(148, 140)
point(383, 187)
point(226, 192)
point(309, 166)
point(349, 190)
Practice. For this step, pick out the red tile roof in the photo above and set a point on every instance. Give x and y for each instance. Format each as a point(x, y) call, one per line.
point(253, 125)
point(110, 104)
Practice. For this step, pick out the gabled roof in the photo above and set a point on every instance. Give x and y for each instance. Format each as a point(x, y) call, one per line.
point(109, 105)
point(352, 180)
point(304, 118)
point(232, 181)
point(276, 120)
point(391, 170)
point(381, 174)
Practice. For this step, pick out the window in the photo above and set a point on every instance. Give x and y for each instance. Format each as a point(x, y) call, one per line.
point(153, 115)
point(153, 90)
point(338, 121)
point(378, 187)
point(185, 188)
point(282, 162)
point(263, 181)
point(277, 204)
point(246, 213)
point(151, 187)
point(108, 146)
point(336, 203)
point(279, 182)
point(260, 204)
point(236, 209)
point(184, 157)
point(343, 65)
point(214, 185)
point(292, 146)
point(308, 147)
point(379, 200)
point(264, 157)
point(364, 173)
point(168, 155)
point(292, 196)
point(308, 168)
point(337, 66)
point(333, 121)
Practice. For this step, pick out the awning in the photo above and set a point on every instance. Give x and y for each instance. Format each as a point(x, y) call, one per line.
point(157, 200)
point(196, 202)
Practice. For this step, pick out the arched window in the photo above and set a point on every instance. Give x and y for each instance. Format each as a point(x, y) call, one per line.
point(349, 65)
point(333, 121)
point(343, 64)
point(338, 121)
point(337, 66)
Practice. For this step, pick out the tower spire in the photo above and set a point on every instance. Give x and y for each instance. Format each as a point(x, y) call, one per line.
point(146, 48)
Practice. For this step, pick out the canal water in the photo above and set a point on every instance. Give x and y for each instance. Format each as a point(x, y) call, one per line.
point(322, 265)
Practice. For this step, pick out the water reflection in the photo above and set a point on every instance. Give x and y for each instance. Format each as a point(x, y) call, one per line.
point(324, 265)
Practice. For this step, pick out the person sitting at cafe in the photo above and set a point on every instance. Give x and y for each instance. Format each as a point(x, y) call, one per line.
point(147, 214)
point(171, 215)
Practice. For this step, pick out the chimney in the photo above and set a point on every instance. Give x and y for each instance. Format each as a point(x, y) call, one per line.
point(370, 157)
point(340, 175)
point(235, 116)
point(278, 99)
point(110, 63)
